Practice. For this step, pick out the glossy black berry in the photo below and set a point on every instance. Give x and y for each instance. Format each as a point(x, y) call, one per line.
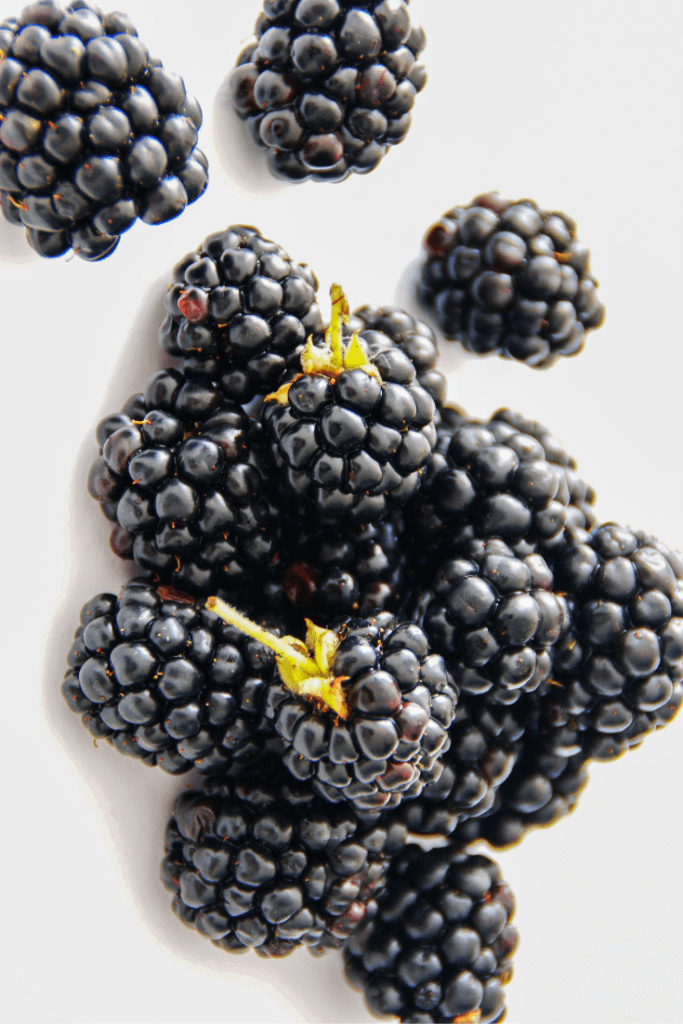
point(239, 312)
point(94, 133)
point(400, 702)
point(440, 945)
point(509, 278)
point(328, 87)
point(182, 472)
point(164, 680)
point(262, 862)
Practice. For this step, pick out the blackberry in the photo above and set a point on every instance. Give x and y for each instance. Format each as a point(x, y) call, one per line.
point(238, 313)
point(167, 681)
point(620, 667)
point(494, 617)
point(260, 862)
point(379, 326)
point(485, 481)
point(440, 945)
point(94, 132)
point(353, 432)
point(542, 788)
point(509, 278)
point(181, 471)
point(328, 85)
point(358, 568)
point(363, 708)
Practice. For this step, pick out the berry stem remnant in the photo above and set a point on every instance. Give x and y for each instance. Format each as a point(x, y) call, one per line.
point(305, 667)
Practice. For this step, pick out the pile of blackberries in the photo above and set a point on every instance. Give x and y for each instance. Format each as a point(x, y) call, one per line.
point(366, 619)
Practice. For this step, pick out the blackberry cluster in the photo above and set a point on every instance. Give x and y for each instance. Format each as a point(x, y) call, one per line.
point(260, 862)
point(328, 85)
point(509, 278)
point(400, 702)
point(494, 618)
point(359, 568)
point(381, 327)
point(238, 313)
point(620, 667)
point(94, 132)
point(487, 481)
point(165, 680)
point(351, 440)
point(440, 946)
point(181, 472)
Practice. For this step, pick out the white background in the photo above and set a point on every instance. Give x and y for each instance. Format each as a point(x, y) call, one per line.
point(576, 105)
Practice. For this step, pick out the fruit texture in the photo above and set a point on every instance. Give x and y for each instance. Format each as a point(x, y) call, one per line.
point(440, 946)
point(94, 133)
point(238, 313)
point(261, 862)
point(165, 680)
point(328, 85)
point(509, 278)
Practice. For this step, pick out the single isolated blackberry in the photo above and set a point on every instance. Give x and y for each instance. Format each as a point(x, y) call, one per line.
point(441, 943)
point(619, 670)
point(328, 85)
point(167, 681)
point(94, 133)
point(487, 481)
point(238, 313)
point(509, 278)
point(260, 862)
point(352, 432)
point(494, 618)
point(363, 708)
point(182, 473)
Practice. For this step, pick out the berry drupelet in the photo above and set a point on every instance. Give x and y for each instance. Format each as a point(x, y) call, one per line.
point(238, 313)
point(181, 472)
point(328, 85)
point(620, 667)
point(352, 432)
point(440, 945)
point(165, 680)
point(94, 133)
point(509, 278)
point(261, 862)
point(363, 709)
point(494, 617)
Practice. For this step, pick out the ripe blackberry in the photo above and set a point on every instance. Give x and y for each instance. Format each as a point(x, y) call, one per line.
point(357, 568)
point(328, 85)
point(440, 946)
point(485, 741)
point(262, 862)
point(181, 471)
point(353, 432)
point(509, 278)
point(165, 680)
point(363, 708)
point(238, 313)
point(542, 788)
point(94, 132)
point(378, 326)
point(580, 514)
point(485, 481)
point(494, 617)
point(620, 667)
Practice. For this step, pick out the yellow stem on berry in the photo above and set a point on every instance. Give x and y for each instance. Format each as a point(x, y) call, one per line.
point(305, 668)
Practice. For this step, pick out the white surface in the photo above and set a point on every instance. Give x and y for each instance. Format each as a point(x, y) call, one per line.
point(575, 105)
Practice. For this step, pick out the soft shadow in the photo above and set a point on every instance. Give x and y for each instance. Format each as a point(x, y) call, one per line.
point(14, 249)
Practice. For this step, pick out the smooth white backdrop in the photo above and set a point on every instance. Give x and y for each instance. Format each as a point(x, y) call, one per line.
point(577, 105)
